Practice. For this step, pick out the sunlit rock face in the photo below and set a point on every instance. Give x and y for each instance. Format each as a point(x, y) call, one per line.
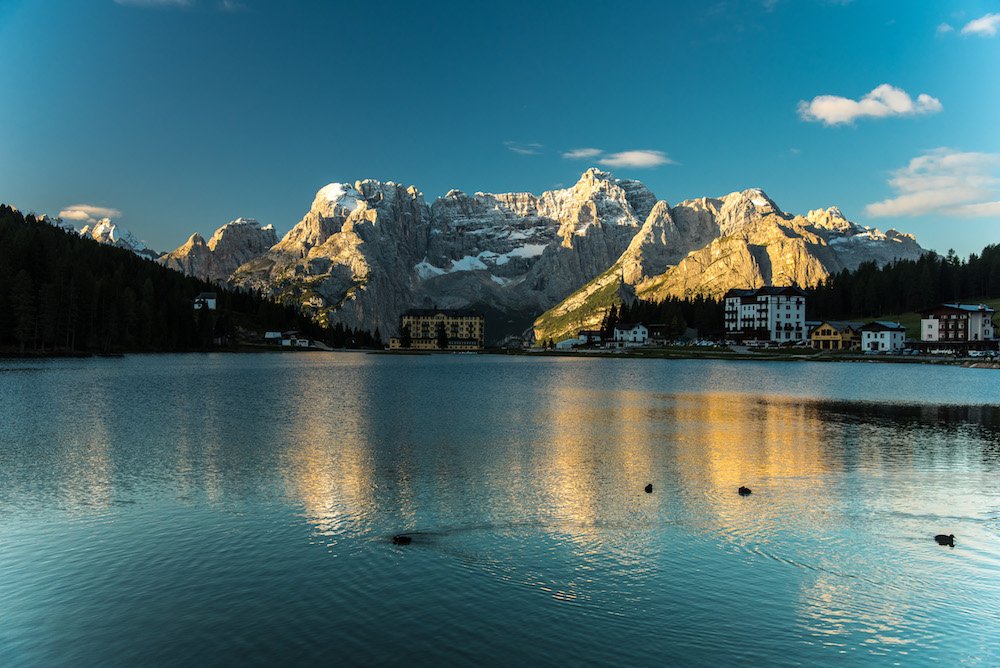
point(106, 232)
point(366, 251)
point(705, 246)
point(215, 260)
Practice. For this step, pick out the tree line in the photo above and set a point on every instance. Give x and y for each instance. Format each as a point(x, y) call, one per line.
point(906, 285)
point(60, 292)
point(868, 291)
point(676, 315)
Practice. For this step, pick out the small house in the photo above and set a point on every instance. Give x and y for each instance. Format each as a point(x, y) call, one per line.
point(883, 336)
point(205, 301)
point(628, 335)
point(658, 334)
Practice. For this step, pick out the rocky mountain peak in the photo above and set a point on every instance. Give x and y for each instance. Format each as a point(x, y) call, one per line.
point(103, 231)
point(368, 250)
point(740, 209)
point(336, 199)
point(232, 244)
point(830, 219)
point(106, 232)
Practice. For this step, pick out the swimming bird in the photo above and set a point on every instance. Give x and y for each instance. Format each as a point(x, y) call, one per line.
point(401, 539)
point(948, 540)
point(649, 488)
point(744, 491)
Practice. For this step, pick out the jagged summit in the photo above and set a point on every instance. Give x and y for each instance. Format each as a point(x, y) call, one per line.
point(365, 251)
point(215, 260)
point(107, 232)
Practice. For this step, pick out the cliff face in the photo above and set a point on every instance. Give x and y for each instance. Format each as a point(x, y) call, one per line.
point(706, 246)
point(350, 259)
point(366, 251)
point(232, 244)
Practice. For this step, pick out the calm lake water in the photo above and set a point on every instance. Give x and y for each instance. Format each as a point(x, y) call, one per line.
point(238, 509)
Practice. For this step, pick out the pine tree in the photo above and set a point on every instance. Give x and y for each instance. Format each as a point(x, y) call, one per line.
point(442, 336)
point(22, 299)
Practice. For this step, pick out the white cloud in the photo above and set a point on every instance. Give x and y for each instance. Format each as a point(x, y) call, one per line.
point(944, 28)
point(582, 153)
point(980, 210)
point(523, 149)
point(944, 181)
point(638, 159)
point(984, 26)
point(882, 102)
point(88, 213)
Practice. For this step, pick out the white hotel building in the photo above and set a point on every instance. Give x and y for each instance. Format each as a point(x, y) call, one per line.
point(957, 322)
point(775, 314)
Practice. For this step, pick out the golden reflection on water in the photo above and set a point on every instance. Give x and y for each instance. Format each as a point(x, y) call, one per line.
point(88, 463)
point(598, 457)
point(328, 466)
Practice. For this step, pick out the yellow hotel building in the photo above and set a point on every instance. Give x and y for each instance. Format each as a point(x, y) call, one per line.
point(465, 330)
point(836, 335)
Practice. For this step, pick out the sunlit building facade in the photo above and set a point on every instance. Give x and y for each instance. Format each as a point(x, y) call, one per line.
point(772, 313)
point(428, 329)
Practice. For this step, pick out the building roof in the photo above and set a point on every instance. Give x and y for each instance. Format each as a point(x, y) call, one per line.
point(450, 312)
point(840, 325)
point(206, 295)
point(883, 326)
point(628, 326)
point(964, 308)
point(788, 290)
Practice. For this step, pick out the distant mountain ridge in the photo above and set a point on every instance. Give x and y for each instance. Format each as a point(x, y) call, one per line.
point(366, 251)
point(106, 232)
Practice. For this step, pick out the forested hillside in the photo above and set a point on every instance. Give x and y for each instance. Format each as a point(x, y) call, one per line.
point(63, 293)
point(907, 285)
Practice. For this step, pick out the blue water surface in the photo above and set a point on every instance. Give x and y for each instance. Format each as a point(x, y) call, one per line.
point(239, 509)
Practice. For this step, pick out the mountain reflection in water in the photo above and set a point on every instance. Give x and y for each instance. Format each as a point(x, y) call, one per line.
point(178, 508)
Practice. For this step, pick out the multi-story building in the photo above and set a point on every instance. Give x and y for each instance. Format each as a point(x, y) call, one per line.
point(835, 335)
point(952, 323)
point(630, 334)
point(440, 329)
point(766, 314)
point(883, 336)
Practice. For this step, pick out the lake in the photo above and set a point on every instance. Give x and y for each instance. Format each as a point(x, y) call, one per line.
point(239, 509)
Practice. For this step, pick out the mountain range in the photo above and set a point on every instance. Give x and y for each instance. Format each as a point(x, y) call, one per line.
point(366, 251)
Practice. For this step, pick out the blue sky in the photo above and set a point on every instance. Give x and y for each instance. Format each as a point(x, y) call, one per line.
point(178, 116)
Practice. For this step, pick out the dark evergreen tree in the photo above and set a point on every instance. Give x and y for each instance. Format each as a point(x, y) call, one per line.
point(22, 299)
point(61, 292)
point(442, 336)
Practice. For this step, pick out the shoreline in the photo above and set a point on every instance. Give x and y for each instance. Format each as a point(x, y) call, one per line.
point(666, 353)
point(649, 353)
